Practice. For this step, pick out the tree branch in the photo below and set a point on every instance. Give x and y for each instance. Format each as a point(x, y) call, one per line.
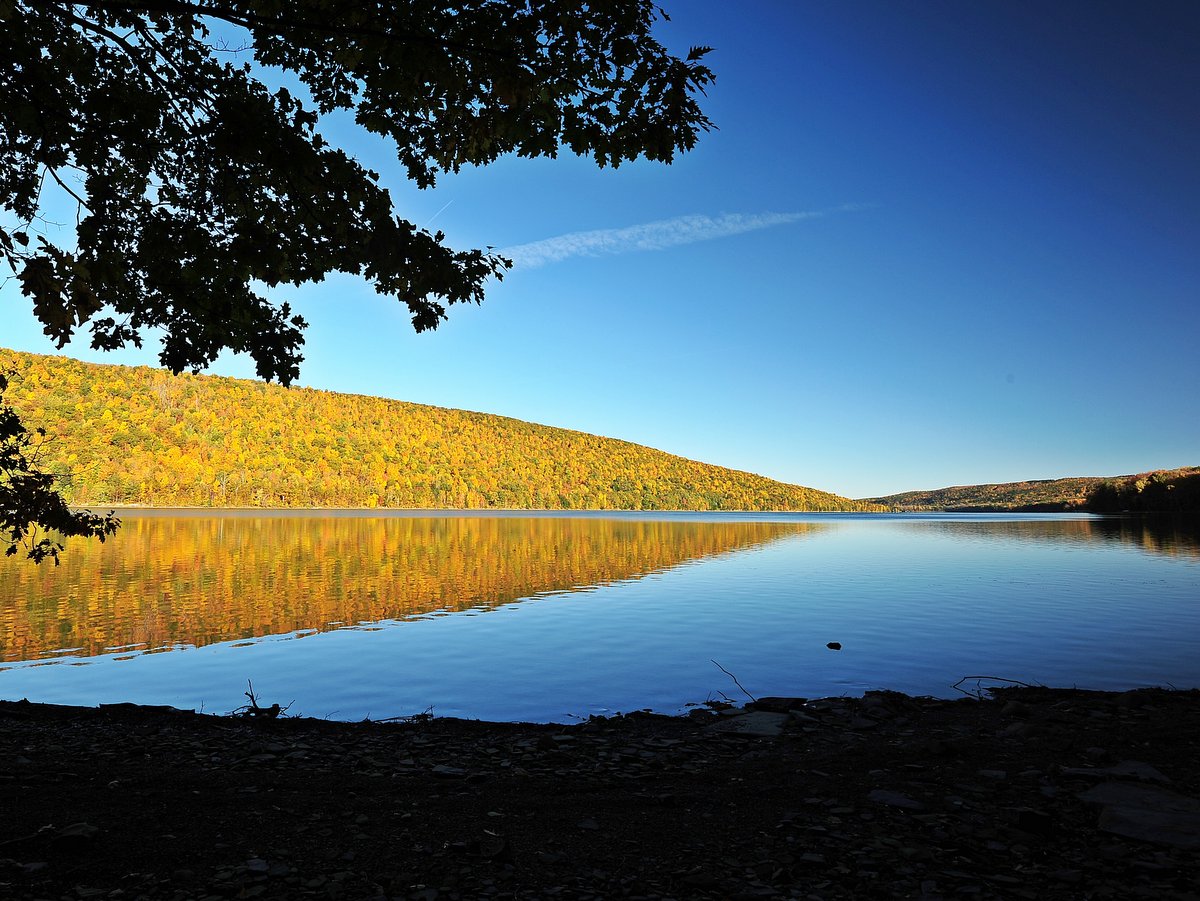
point(65, 187)
point(252, 21)
point(136, 58)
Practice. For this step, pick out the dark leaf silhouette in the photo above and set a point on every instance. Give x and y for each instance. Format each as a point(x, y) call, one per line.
point(197, 184)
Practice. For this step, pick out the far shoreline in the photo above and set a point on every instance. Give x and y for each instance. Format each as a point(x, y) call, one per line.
point(590, 513)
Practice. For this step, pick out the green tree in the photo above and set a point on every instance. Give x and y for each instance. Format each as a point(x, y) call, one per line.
point(197, 182)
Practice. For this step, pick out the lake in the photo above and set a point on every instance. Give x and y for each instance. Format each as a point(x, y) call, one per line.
point(548, 617)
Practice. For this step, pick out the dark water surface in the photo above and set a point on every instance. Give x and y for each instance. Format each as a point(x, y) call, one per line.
point(545, 617)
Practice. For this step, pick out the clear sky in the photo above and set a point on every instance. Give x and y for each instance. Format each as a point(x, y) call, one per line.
point(931, 244)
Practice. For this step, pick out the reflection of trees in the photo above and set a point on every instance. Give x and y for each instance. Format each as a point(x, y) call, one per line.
point(1174, 536)
point(198, 580)
point(1171, 535)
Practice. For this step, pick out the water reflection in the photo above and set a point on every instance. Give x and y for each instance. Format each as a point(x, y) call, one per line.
point(1168, 535)
point(1171, 535)
point(916, 601)
point(191, 580)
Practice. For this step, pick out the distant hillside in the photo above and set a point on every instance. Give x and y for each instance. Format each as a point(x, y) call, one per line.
point(1050, 495)
point(1166, 491)
point(126, 435)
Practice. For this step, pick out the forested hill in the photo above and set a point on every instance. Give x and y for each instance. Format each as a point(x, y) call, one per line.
point(138, 435)
point(1172, 489)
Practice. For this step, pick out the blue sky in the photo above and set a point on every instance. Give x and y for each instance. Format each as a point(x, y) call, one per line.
point(931, 244)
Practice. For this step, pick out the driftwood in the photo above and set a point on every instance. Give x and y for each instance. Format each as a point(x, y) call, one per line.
point(980, 690)
point(735, 680)
point(255, 710)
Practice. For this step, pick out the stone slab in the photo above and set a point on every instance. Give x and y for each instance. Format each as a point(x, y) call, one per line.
point(754, 723)
point(1147, 813)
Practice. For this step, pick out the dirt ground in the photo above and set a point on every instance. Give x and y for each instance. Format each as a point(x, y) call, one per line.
point(1026, 793)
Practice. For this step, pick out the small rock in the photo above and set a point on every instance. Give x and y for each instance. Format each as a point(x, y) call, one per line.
point(494, 847)
point(895, 799)
point(779, 705)
point(1035, 822)
point(834, 645)
point(74, 838)
point(1015, 708)
point(1135, 698)
point(1126, 769)
point(936, 747)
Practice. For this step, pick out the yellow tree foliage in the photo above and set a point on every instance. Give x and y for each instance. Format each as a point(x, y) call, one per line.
point(124, 435)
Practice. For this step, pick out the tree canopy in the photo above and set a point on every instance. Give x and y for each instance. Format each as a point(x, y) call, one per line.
point(203, 182)
point(141, 436)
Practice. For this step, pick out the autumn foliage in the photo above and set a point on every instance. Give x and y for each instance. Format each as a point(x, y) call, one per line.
point(140, 436)
point(1158, 491)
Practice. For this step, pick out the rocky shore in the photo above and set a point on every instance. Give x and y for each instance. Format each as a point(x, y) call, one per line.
point(1022, 793)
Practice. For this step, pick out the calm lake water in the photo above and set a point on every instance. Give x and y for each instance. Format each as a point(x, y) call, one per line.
point(546, 617)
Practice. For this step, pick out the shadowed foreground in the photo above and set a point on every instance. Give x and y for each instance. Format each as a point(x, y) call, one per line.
point(1034, 793)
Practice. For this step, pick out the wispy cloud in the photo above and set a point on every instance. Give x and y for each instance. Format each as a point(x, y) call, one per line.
point(649, 236)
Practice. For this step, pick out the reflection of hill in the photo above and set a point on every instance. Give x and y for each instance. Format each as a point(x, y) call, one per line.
point(1176, 536)
point(197, 580)
point(1172, 536)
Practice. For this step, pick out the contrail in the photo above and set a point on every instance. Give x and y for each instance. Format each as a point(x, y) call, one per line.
point(438, 213)
point(649, 236)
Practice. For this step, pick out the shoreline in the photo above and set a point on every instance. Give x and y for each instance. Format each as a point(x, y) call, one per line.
point(590, 512)
point(1186, 516)
point(1024, 793)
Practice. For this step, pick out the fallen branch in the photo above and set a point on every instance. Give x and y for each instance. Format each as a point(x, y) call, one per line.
point(410, 719)
point(253, 709)
point(979, 690)
point(735, 680)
